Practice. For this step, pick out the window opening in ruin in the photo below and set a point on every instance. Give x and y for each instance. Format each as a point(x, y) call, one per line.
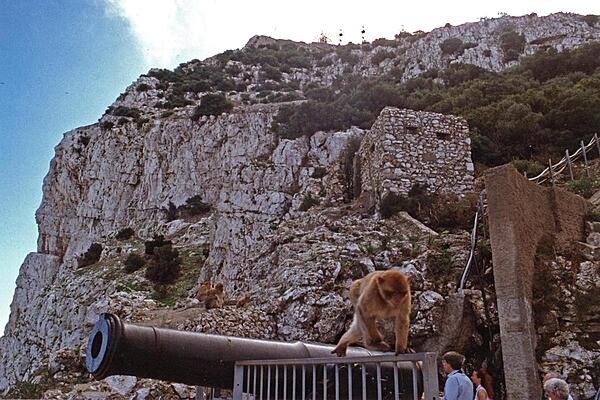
point(442, 135)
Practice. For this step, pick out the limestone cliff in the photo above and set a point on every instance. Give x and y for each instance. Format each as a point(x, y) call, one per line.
point(289, 222)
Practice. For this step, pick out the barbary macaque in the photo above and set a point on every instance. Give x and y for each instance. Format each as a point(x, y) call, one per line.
point(212, 297)
point(203, 290)
point(378, 295)
point(215, 297)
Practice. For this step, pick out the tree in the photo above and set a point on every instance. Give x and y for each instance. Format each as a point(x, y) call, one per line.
point(212, 104)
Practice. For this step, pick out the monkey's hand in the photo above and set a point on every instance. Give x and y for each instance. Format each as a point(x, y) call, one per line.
point(339, 350)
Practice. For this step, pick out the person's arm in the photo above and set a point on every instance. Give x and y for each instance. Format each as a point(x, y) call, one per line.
point(482, 394)
point(451, 389)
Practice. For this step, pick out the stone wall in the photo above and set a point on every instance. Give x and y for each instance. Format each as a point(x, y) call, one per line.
point(406, 147)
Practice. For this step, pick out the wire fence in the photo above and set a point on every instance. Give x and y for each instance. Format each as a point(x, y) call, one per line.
point(553, 170)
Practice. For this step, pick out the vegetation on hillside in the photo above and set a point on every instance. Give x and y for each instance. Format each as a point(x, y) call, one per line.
point(533, 111)
point(536, 110)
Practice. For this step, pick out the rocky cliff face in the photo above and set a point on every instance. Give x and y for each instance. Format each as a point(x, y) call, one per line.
point(258, 237)
point(282, 226)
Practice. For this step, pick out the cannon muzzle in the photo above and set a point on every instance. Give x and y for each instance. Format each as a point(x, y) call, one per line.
point(117, 348)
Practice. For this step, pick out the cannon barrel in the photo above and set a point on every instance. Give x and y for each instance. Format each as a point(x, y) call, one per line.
point(117, 348)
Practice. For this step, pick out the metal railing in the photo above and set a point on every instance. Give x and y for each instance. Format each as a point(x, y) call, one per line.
point(371, 377)
point(478, 215)
point(566, 162)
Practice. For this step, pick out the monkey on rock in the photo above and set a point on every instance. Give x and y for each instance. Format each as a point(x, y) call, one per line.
point(378, 295)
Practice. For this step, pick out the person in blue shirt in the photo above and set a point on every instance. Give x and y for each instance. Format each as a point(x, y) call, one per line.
point(458, 386)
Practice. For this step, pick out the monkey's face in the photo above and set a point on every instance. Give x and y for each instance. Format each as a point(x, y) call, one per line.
point(393, 288)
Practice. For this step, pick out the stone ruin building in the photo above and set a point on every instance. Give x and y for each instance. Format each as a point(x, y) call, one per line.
point(407, 147)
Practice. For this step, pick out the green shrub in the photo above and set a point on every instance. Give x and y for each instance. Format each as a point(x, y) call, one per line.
point(294, 121)
point(585, 186)
point(143, 87)
point(344, 53)
point(174, 100)
point(124, 234)
point(212, 104)
point(529, 167)
point(591, 19)
point(459, 73)
point(165, 265)
point(134, 262)
point(392, 203)
point(107, 125)
point(163, 75)
point(593, 216)
point(450, 212)
point(195, 206)
point(321, 94)
point(171, 212)
point(91, 256)
point(385, 42)
point(416, 200)
point(452, 46)
point(123, 111)
point(157, 241)
point(512, 44)
point(446, 211)
point(269, 72)
point(26, 390)
point(233, 69)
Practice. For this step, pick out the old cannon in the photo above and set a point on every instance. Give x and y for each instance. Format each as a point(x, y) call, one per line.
point(117, 348)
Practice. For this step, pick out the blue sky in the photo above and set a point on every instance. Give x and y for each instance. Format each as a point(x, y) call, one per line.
point(63, 62)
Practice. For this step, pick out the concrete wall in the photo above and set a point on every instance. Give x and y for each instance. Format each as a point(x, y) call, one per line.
point(521, 216)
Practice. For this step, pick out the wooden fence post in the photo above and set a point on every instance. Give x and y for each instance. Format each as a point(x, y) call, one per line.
point(587, 172)
point(568, 158)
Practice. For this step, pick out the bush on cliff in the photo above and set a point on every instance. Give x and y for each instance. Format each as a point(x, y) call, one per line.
point(157, 241)
point(164, 266)
point(212, 104)
point(133, 262)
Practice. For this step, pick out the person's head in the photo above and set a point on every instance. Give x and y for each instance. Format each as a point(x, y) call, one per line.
point(477, 377)
point(556, 389)
point(481, 377)
point(452, 361)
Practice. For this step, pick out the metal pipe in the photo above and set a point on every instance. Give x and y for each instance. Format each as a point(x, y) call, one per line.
point(117, 348)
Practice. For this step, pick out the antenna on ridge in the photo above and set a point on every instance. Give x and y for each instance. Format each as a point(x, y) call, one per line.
point(362, 32)
point(340, 35)
point(323, 38)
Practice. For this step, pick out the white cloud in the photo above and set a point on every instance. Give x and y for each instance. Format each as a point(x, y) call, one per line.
point(174, 31)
